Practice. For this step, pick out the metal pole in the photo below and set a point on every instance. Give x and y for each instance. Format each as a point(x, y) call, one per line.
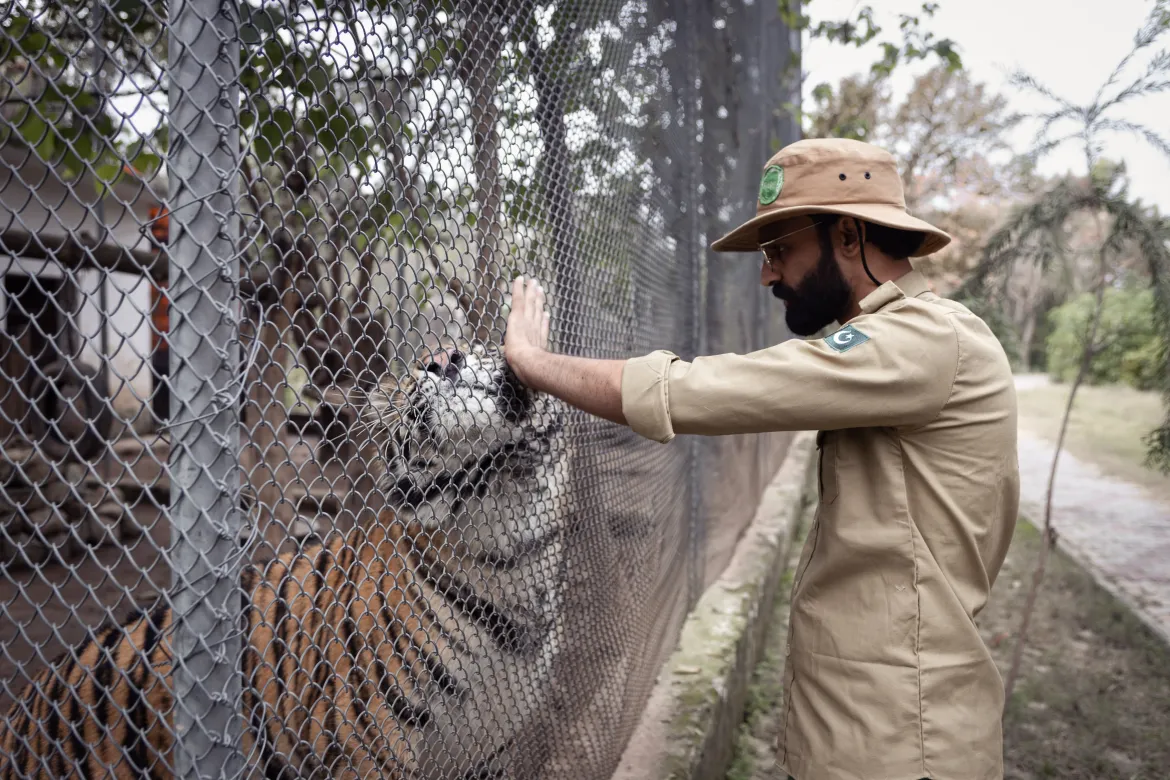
point(686, 38)
point(202, 165)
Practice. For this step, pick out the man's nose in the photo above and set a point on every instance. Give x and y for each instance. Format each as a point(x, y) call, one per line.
point(767, 275)
point(445, 363)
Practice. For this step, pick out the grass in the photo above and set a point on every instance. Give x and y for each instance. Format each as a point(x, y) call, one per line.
point(1106, 429)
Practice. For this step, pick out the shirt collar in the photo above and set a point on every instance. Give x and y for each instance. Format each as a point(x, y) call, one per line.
point(909, 285)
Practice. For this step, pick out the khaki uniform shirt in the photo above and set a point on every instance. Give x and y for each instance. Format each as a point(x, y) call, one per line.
point(887, 676)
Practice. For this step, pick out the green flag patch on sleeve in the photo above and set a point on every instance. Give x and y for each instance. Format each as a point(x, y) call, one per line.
point(846, 339)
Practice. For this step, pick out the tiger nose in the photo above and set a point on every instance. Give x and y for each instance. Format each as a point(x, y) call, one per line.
point(446, 363)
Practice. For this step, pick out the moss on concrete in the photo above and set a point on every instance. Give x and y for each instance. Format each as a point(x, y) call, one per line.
point(709, 673)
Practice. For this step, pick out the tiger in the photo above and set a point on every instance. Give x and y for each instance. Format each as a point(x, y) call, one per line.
point(415, 646)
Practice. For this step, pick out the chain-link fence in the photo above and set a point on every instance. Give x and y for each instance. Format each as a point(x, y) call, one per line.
point(270, 500)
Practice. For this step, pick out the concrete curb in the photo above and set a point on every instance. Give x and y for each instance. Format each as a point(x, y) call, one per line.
point(689, 725)
point(1083, 557)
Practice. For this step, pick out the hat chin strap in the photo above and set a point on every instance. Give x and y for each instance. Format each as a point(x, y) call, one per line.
point(861, 246)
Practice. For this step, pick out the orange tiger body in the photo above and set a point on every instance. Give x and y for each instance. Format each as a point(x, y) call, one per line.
point(78, 715)
point(340, 638)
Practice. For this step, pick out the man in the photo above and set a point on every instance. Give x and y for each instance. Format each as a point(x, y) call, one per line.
point(887, 677)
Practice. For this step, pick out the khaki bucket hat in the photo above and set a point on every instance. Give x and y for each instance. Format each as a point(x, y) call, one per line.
point(831, 176)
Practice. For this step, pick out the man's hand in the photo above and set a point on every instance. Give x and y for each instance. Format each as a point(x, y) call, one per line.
point(594, 386)
point(527, 334)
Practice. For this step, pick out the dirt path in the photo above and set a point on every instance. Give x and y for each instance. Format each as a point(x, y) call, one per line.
point(1116, 529)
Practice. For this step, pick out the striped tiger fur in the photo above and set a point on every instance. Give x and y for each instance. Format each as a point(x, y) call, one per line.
point(416, 647)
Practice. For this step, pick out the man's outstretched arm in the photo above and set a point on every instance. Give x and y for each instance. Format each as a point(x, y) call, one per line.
point(594, 386)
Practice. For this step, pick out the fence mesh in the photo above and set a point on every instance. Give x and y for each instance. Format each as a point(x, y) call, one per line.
point(269, 499)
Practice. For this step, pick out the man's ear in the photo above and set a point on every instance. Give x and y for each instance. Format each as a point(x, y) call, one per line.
point(848, 238)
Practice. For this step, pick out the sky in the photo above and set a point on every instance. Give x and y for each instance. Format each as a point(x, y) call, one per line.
point(1069, 45)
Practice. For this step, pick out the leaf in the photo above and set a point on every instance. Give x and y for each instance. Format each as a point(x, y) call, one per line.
point(320, 77)
point(83, 147)
point(258, 24)
point(108, 172)
point(32, 128)
point(338, 128)
point(945, 49)
point(147, 162)
point(272, 135)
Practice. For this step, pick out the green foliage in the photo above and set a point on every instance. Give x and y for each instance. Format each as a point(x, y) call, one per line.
point(1141, 367)
point(1129, 350)
point(859, 28)
point(849, 109)
point(1101, 193)
point(49, 53)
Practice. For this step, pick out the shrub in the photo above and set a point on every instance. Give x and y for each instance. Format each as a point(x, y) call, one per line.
point(1131, 351)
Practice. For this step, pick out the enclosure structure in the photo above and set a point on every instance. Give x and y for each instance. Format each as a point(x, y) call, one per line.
point(362, 548)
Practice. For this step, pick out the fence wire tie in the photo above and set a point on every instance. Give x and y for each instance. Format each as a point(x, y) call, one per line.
point(168, 211)
point(224, 400)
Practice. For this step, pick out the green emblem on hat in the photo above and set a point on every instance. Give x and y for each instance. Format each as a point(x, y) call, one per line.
point(771, 184)
point(846, 339)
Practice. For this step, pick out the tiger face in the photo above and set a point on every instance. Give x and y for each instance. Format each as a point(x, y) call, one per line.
point(461, 416)
point(464, 402)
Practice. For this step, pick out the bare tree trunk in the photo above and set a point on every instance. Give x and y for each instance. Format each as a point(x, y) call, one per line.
point(1089, 351)
point(1026, 337)
point(480, 70)
point(1026, 314)
point(264, 458)
point(556, 173)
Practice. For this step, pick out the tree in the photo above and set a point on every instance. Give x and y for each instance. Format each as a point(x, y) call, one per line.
point(851, 110)
point(68, 68)
point(949, 138)
point(948, 134)
point(1118, 223)
point(339, 181)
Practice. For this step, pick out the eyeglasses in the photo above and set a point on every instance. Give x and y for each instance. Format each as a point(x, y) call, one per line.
point(774, 254)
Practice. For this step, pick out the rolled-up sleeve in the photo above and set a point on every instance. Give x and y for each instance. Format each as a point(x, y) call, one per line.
point(645, 403)
point(902, 375)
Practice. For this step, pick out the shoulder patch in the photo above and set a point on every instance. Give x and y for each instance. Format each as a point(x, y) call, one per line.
point(846, 339)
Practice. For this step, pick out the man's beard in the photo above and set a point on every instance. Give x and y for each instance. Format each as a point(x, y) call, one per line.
point(821, 297)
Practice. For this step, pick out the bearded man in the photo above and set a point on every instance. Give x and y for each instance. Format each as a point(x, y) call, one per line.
point(887, 677)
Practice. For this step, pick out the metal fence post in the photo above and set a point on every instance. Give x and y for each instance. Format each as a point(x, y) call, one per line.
point(203, 165)
point(692, 249)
